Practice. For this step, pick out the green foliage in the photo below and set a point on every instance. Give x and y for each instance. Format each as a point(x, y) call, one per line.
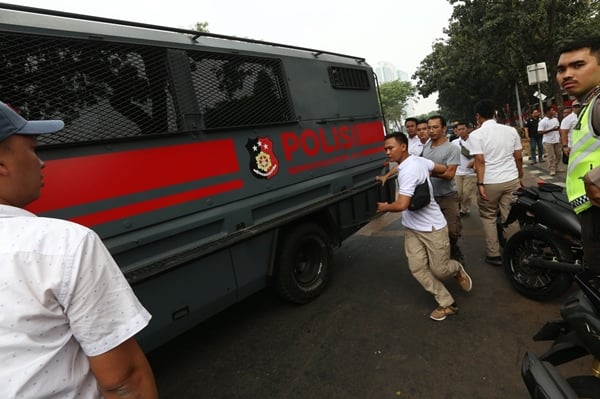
point(424, 117)
point(394, 97)
point(489, 45)
point(201, 26)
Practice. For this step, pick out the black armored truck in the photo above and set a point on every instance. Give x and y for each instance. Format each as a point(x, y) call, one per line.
point(211, 166)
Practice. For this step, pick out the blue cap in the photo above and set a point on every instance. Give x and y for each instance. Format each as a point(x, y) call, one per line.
point(13, 123)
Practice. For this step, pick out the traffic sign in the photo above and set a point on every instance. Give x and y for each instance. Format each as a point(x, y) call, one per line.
point(537, 73)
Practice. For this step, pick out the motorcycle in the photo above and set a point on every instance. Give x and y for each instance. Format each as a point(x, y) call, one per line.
point(542, 258)
point(575, 336)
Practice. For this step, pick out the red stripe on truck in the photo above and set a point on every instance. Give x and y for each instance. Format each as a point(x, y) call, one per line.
point(158, 203)
point(76, 181)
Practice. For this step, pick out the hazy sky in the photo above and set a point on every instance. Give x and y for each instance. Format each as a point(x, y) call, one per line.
point(396, 31)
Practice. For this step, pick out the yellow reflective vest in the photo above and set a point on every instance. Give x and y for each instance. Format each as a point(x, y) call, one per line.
point(584, 156)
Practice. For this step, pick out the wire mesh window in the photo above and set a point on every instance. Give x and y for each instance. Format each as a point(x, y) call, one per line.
point(100, 90)
point(234, 90)
point(348, 78)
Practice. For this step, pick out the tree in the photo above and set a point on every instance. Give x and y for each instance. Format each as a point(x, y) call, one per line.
point(201, 27)
point(489, 45)
point(394, 98)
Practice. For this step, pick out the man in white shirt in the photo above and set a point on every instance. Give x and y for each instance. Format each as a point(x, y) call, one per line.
point(423, 133)
point(499, 166)
point(548, 128)
point(415, 147)
point(567, 125)
point(426, 242)
point(465, 177)
point(68, 317)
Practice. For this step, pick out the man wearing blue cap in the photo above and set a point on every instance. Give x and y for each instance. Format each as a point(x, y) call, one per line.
point(67, 315)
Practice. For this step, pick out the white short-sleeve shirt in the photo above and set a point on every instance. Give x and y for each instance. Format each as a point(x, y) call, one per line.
point(465, 147)
point(552, 137)
point(62, 299)
point(568, 123)
point(415, 147)
point(498, 144)
point(411, 172)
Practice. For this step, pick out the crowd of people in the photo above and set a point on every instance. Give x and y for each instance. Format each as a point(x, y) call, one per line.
point(551, 137)
point(488, 160)
point(488, 163)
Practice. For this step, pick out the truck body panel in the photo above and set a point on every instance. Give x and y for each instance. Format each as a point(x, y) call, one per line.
point(193, 156)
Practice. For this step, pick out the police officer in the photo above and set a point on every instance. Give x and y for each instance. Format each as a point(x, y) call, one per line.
point(578, 73)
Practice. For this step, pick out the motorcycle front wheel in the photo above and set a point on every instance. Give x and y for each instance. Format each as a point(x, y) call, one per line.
point(534, 282)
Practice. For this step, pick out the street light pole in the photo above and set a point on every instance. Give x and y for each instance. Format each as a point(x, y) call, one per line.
point(518, 105)
point(540, 98)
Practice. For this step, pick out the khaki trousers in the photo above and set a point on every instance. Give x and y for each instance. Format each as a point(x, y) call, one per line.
point(553, 155)
point(466, 187)
point(500, 198)
point(429, 261)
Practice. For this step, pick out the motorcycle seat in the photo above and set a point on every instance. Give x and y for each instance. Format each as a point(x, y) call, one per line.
point(550, 188)
point(531, 192)
point(548, 192)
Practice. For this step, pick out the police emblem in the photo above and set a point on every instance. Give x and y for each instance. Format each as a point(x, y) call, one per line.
point(263, 163)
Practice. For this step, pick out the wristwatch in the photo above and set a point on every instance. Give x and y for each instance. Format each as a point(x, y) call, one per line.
point(480, 184)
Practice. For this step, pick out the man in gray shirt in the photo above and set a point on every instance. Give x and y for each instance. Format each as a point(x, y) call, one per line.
point(441, 151)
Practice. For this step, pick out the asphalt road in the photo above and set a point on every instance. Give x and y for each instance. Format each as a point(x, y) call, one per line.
point(369, 334)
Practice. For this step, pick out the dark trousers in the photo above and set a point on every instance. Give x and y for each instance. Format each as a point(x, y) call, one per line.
point(536, 147)
point(590, 233)
point(450, 206)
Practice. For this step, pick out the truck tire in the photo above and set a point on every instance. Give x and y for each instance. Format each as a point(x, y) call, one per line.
point(532, 282)
point(304, 263)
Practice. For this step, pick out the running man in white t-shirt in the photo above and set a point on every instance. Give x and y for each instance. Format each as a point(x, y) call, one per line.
point(426, 242)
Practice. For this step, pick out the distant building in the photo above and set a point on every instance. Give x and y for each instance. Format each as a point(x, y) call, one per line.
point(403, 76)
point(387, 72)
